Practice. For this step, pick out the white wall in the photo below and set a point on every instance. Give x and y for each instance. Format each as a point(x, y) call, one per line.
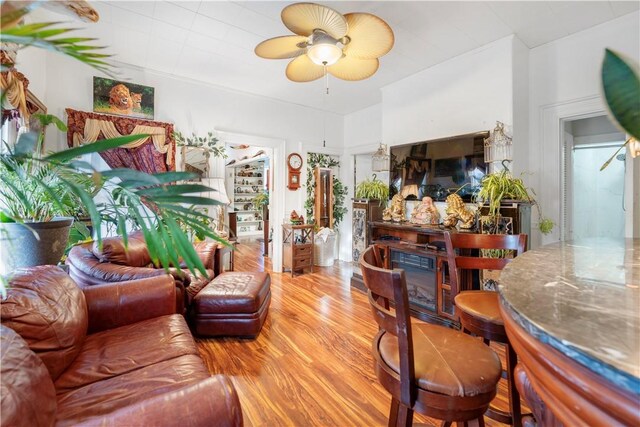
point(33, 66)
point(462, 95)
point(563, 73)
point(520, 130)
point(363, 126)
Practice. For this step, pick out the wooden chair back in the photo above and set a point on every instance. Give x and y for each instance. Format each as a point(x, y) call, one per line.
point(385, 288)
point(460, 245)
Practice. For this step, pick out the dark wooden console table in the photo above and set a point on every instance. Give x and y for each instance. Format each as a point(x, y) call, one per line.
point(420, 251)
point(572, 314)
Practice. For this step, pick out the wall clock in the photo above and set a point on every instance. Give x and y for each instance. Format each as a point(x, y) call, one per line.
point(294, 163)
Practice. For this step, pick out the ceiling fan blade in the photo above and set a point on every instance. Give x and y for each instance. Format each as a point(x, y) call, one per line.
point(350, 68)
point(302, 69)
point(370, 36)
point(303, 18)
point(281, 47)
point(77, 8)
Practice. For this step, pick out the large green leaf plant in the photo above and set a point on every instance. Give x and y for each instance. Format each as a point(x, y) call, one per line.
point(621, 91)
point(36, 186)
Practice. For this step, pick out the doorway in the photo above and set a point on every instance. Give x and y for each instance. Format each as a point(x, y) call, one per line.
point(263, 153)
point(594, 201)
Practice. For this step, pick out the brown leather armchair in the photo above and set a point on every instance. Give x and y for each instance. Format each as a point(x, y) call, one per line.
point(137, 365)
point(89, 265)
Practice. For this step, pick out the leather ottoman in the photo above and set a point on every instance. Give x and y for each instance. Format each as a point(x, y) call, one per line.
point(233, 304)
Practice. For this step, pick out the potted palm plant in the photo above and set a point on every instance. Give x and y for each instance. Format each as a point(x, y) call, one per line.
point(37, 187)
point(261, 202)
point(38, 203)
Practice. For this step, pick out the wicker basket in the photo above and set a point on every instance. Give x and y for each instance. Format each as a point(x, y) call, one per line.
point(324, 253)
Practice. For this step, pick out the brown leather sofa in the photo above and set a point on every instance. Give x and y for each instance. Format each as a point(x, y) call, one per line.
point(110, 354)
point(219, 304)
point(89, 265)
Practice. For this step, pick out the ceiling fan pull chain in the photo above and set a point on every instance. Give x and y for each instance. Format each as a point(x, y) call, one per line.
point(324, 116)
point(326, 79)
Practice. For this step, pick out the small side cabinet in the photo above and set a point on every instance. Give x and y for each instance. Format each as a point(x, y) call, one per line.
point(297, 247)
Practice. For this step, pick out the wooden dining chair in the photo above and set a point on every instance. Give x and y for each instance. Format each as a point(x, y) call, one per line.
point(436, 371)
point(479, 310)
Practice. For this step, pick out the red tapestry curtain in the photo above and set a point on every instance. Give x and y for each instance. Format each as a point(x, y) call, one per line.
point(146, 157)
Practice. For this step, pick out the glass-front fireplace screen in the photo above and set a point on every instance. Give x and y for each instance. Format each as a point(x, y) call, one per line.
point(420, 273)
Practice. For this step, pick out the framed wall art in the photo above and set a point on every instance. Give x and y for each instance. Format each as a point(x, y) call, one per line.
point(122, 98)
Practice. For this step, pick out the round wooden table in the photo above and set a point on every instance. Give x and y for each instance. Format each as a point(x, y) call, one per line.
point(572, 314)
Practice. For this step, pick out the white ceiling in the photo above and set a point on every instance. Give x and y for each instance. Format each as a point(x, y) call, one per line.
point(213, 41)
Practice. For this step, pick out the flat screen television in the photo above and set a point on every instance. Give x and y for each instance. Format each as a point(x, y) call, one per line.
point(438, 167)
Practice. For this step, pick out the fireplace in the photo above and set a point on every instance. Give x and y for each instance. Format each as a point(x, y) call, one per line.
point(420, 273)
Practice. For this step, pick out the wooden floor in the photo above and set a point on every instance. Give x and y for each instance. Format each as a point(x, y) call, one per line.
point(311, 365)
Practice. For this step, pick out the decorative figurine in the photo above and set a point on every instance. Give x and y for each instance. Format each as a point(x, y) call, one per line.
point(386, 214)
point(295, 218)
point(456, 211)
point(395, 212)
point(425, 213)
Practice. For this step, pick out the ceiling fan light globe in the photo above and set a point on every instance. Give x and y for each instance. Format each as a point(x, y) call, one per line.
point(324, 53)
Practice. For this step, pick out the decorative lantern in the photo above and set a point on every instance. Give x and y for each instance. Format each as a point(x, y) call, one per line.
point(380, 159)
point(497, 147)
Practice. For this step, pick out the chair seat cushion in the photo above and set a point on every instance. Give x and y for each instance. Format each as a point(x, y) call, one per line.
point(233, 292)
point(481, 304)
point(118, 351)
point(106, 396)
point(446, 361)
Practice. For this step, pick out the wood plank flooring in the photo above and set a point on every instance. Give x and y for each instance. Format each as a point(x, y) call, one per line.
point(311, 365)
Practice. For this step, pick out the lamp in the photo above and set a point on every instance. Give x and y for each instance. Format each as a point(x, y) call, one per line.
point(324, 49)
point(409, 190)
point(497, 147)
point(380, 159)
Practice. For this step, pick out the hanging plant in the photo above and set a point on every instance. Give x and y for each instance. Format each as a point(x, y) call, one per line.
point(499, 186)
point(373, 189)
point(339, 189)
point(208, 142)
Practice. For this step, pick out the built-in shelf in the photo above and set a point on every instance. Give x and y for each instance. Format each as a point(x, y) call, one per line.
point(248, 170)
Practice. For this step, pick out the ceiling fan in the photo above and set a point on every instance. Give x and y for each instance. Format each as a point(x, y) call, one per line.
point(346, 46)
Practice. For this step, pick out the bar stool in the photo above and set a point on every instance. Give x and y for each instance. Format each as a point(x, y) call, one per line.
point(436, 371)
point(479, 311)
